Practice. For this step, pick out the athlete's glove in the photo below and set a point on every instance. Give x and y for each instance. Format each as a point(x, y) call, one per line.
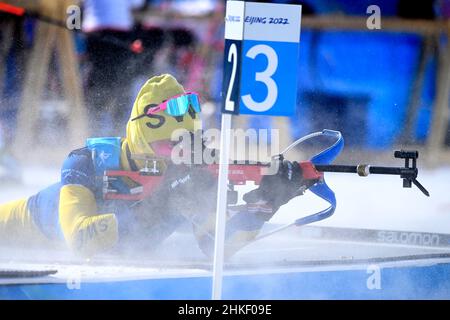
point(276, 190)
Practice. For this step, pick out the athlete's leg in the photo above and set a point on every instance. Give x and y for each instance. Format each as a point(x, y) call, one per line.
point(17, 227)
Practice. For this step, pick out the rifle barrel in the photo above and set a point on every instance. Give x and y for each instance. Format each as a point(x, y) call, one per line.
point(371, 169)
point(336, 168)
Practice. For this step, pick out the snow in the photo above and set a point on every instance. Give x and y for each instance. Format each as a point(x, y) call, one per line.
point(380, 202)
point(34, 178)
point(375, 202)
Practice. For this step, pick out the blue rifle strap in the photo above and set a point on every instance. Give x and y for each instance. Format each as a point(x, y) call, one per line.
point(321, 189)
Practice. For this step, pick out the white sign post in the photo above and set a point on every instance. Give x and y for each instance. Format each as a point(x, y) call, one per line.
point(261, 48)
point(219, 243)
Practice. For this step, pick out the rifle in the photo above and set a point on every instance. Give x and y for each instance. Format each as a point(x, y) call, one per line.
point(138, 185)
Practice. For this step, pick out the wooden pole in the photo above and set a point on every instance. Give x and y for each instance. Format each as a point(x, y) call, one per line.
point(439, 124)
point(50, 39)
point(72, 85)
point(354, 23)
point(426, 47)
point(36, 76)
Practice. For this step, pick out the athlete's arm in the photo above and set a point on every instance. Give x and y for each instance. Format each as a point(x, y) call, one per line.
point(245, 221)
point(85, 231)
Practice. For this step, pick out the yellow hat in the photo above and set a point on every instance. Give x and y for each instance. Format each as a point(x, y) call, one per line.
point(145, 130)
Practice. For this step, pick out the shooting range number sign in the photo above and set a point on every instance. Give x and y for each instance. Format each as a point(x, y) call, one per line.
point(260, 58)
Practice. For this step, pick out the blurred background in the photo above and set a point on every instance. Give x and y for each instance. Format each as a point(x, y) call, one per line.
point(384, 89)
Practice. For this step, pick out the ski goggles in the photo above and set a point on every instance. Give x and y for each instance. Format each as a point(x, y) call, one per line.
point(176, 106)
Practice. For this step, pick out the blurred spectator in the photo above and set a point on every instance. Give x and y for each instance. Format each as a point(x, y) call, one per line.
point(14, 42)
point(192, 44)
point(109, 36)
point(416, 9)
point(443, 9)
point(12, 49)
point(185, 30)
